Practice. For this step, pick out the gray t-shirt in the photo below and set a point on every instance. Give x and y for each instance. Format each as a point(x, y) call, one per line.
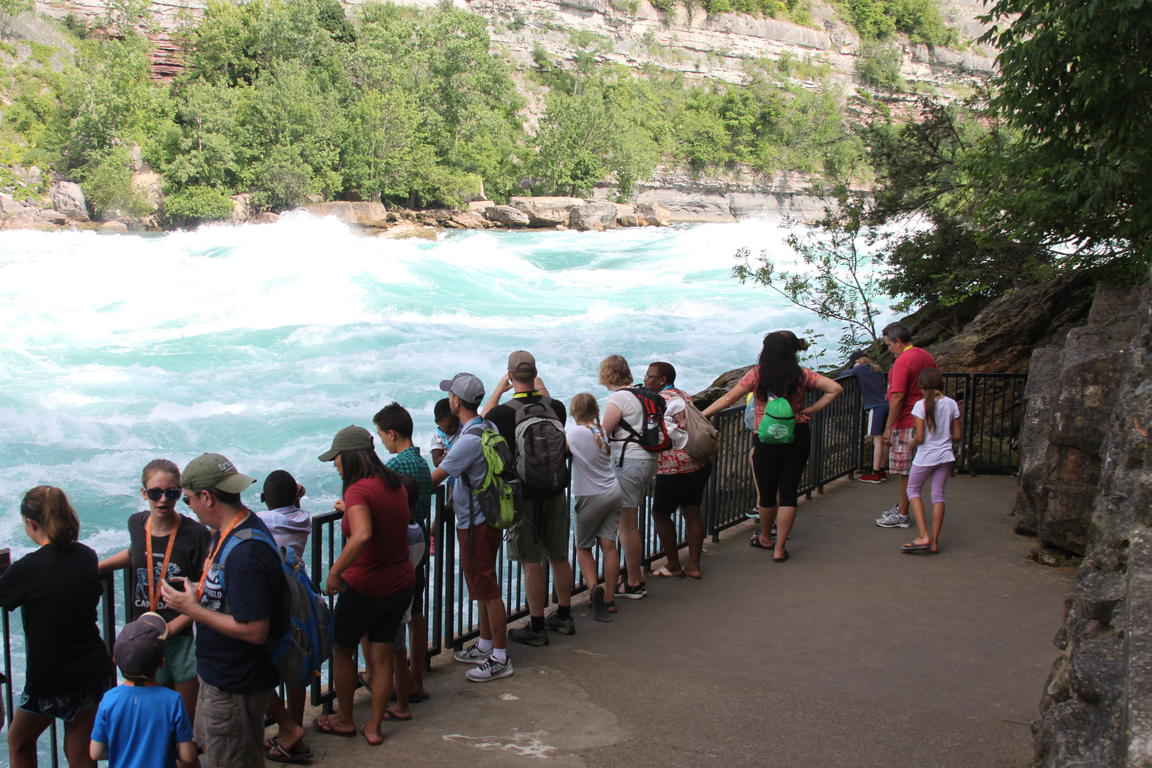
point(466, 457)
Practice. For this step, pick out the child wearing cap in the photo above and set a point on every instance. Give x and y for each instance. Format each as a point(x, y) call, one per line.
point(141, 724)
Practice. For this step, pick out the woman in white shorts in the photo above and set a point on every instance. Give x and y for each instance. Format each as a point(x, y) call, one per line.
point(597, 500)
point(634, 467)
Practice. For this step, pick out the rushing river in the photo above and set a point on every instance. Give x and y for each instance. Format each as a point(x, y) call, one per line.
point(259, 342)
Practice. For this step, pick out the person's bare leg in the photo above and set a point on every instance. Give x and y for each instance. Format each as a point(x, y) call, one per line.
point(562, 580)
point(666, 532)
point(879, 453)
point(380, 666)
point(189, 690)
point(917, 507)
point(785, 518)
point(611, 567)
point(289, 732)
point(296, 696)
point(344, 681)
point(493, 615)
point(633, 545)
point(403, 680)
point(767, 519)
point(78, 737)
point(535, 588)
point(903, 503)
point(418, 642)
point(587, 563)
point(23, 732)
point(694, 532)
point(366, 672)
point(937, 524)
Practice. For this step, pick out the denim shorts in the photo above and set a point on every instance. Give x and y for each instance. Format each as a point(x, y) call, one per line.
point(64, 706)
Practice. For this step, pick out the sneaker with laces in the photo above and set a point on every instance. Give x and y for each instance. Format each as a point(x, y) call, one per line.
point(875, 478)
point(629, 592)
point(525, 635)
point(893, 519)
point(599, 607)
point(472, 655)
point(490, 670)
point(556, 624)
point(753, 514)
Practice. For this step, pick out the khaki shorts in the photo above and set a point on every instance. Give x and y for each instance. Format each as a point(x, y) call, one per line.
point(542, 533)
point(634, 478)
point(179, 660)
point(229, 727)
point(597, 517)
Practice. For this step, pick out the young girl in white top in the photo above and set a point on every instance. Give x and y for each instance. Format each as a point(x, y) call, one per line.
point(597, 499)
point(937, 425)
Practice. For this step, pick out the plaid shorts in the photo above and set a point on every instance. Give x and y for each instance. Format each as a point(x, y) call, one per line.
point(900, 451)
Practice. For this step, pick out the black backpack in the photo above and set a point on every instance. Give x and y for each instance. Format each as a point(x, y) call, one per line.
point(541, 446)
point(652, 435)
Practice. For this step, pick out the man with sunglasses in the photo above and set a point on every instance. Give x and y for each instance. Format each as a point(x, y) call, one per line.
point(235, 604)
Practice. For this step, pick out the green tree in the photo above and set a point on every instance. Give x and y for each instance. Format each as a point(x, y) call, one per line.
point(1075, 79)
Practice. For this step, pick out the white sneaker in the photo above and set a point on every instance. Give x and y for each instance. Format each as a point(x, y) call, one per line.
point(893, 519)
point(490, 670)
point(472, 655)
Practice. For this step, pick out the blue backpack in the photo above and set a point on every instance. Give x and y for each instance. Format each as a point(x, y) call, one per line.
point(299, 650)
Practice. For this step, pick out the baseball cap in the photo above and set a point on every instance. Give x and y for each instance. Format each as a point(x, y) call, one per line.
point(211, 470)
point(465, 386)
point(140, 646)
point(348, 439)
point(521, 361)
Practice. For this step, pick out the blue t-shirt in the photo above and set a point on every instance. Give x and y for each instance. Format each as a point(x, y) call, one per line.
point(141, 726)
point(467, 457)
point(872, 384)
point(252, 590)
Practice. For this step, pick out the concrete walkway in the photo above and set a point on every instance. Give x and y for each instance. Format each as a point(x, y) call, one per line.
point(850, 654)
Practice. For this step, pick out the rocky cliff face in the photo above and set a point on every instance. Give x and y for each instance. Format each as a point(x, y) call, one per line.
point(1086, 484)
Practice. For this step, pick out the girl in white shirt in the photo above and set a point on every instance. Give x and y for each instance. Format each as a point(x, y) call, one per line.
point(937, 425)
point(598, 500)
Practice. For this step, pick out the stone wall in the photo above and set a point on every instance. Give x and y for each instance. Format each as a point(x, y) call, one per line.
point(1086, 485)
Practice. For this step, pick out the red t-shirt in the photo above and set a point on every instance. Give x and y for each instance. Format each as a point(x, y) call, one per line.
point(383, 568)
point(905, 377)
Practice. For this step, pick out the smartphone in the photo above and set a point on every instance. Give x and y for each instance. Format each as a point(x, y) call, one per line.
point(176, 584)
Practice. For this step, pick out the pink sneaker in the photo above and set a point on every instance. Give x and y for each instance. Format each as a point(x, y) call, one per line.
point(874, 477)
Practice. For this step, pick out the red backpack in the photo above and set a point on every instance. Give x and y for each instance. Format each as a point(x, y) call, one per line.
point(652, 435)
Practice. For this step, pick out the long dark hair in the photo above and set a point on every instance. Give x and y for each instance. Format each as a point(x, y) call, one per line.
point(48, 506)
point(357, 465)
point(932, 385)
point(780, 372)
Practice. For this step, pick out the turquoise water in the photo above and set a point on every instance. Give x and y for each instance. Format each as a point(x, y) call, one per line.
point(261, 342)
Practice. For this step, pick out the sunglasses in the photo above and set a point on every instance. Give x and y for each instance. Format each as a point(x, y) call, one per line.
point(168, 493)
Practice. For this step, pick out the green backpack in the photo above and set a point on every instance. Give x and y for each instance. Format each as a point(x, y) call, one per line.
point(498, 492)
point(778, 427)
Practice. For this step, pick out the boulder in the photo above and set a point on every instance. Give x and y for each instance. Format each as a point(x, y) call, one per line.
point(478, 206)
point(594, 217)
point(241, 208)
point(653, 215)
point(507, 216)
point(626, 216)
point(467, 220)
point(52, 216)
point(9, 206)
point(366, 214)
point(407, 229)
point(547, 211)
point(68, 199)
point(266, 217)
point(28, 222)
point(149, 187)
point(114, 227)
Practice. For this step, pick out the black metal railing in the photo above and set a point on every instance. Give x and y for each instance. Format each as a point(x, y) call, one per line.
point(991, 407)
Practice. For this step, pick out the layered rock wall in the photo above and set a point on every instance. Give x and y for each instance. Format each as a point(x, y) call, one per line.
point(1086, 485)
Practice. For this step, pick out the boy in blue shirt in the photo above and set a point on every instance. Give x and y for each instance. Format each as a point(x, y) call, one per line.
point(141, 724)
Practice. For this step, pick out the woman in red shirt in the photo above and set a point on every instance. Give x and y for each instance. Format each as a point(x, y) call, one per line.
point(373, 576)
point(778, 467)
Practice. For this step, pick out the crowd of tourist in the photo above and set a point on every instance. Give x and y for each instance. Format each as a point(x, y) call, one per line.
point(205, 590)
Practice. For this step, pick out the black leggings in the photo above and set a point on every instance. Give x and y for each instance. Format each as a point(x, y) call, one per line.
point(778, 468)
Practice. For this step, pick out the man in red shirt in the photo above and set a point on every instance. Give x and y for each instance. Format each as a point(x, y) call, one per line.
point(903, 392)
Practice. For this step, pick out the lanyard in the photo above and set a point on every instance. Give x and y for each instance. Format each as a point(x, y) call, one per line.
point(224, 534)
point(533, 393)
point(153, 593)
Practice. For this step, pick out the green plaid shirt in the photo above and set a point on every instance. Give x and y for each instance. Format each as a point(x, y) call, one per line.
point(410, 462)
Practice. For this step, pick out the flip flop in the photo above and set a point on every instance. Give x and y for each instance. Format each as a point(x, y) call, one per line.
point(783, 558)
point(663, 572)
point(912, 548)
point(278, 753)
point(364, 733)
point(390, 715)
point(754, 542)
point(323, 725)
point(692, 575)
